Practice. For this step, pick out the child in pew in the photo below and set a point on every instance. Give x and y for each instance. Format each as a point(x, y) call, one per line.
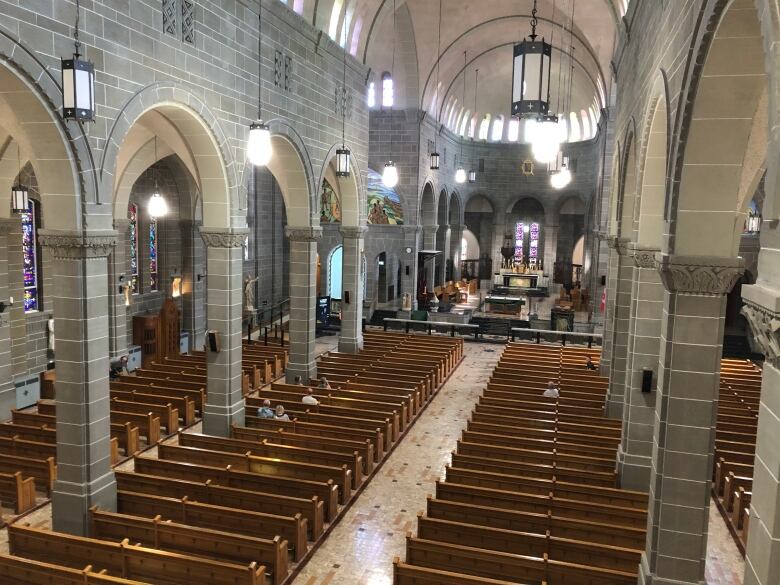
point(551, 391)
point(589, 364)
point(280, 414)
point(266, 411)
point(310, 399)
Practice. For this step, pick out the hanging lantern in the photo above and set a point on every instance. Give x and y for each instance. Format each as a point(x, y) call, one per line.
point(20, 199)
point(531, 71)
point(343, 156)
point(258, 148)
point(390, 175)
point(158, 206)
point(460, 176)
point(558, 164)
point(78, 83)
point(472, 176)
point(434, 161)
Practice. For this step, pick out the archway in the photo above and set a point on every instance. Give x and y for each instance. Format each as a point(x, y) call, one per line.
point(481, 220)
point(455, 221)
point(524, 225)
point(568, 229)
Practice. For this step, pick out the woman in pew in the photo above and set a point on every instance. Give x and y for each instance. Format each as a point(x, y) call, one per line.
point(551, 391)
point(310, 399)
point(589, 364)
point(266, 411)
point(280, 414)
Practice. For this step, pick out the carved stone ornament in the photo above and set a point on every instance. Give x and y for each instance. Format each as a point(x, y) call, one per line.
point(224, 237)
point(699, 275)
point(620, 245)
point(303, 234)
point(765, 326)
point(77, 245)
point(353, 232)
point(643, 257)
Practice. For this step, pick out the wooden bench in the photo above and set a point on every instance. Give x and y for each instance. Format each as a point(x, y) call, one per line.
point(30, 572)
point(17, 492)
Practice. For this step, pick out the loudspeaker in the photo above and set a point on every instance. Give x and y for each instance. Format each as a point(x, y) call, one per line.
point(407, 271)
point(647, 380)
point(212, 341)
point(346, 296)
point(603, 280)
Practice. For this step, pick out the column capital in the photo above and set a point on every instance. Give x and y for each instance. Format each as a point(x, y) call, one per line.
point(644, 256)
point(78, 244)
point(699, 275)
point(412, 230)
point(620, 245)
point(223, 237)
point(353, 232)
point(764, 322)
point(303, 234)
point(430, 229)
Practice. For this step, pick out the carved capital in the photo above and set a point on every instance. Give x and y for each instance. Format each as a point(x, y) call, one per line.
point(411, 230)
point(643, 257)
point(699, 275)
point(223, 237)
point(765, 325)
point(78, 245)
point(620, 245)
point(353, 232)
point(430, 230)
point(303, 234)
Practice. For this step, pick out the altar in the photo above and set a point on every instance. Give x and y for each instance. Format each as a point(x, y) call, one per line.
point(515, 280)
point(505, 304)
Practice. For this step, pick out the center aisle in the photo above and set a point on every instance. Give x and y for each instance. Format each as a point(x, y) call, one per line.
point(360, 549)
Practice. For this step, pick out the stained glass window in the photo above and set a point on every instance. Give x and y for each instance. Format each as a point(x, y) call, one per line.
point(154, 284)
point(533, 252)
point(519, 235)
point(132, 215)
point(30, 256)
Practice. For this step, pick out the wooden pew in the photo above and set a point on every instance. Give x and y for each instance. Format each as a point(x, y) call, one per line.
point(18, 570)
point(17, 492)
point(43, 470)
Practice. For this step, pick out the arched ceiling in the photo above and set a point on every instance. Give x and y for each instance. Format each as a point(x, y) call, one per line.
point(486, 30)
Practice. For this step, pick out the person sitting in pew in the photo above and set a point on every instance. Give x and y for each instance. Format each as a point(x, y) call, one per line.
point(324, 384)
point(310, 399)
point(551, 391)
point(280, 414)
point(589, 364)
point(118, 368)
point(266, 411)
point(298, 381)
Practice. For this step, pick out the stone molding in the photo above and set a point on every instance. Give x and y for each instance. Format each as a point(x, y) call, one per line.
point(412, 230)
point(224, 237)
point(620, 245)
point(78, 245)
point(699, 275)
point(643, 257)
point(765, 325)
point(353, 232)
point(430, 229)
point(303, 234)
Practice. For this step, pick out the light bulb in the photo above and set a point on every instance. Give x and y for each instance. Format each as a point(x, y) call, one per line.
point(158, 207)
point(390, 175)
point(460, 176)
point(258, 148)
point(545, 152)
point(561, 179)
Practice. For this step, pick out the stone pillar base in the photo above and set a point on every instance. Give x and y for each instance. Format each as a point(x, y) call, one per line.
point(71, 503)
point(350, 344)
point(634, 471)
point(614, 407)
point(305, 371)
point(219, 421)
point(647, 578)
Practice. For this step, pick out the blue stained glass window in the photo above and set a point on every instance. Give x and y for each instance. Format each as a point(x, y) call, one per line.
point(534, 247)
point(132, 214)
point(519, 235)
point(154, 284)
point(30, 256)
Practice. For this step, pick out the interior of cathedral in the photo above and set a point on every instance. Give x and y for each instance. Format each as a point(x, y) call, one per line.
point(389, 292)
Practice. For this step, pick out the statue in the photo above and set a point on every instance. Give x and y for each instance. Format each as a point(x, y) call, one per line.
point(508, 252)
point(249, 293)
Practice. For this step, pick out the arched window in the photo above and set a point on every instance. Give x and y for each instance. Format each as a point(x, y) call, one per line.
point(298, 6)
point(533, 244)
point(473, 126)
point(356, 30)
point(586, 135)
point(464, 249)
point(371, 96)
point(31, 257)
point(484, 127)
point(335, 278)
point(464, 123)
point(513, 132)
point(154, 282)
point(575, 133)
point(335, 15)
point(132, 215)
point(498, 129)
point(388, 96)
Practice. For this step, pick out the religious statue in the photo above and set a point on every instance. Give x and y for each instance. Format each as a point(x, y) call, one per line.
point(249, 293)
point(508, 252)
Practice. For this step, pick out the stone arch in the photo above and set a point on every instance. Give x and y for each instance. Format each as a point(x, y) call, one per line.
point(648, 224)
point(207, 143)
point(478, 202)
point(707, 172)
point(456, 209)
point(442, 208)
point(352, 189)
point(523, 198)
point(627, 190)
point(613, 197)
point(29, 116)
point(428, 205)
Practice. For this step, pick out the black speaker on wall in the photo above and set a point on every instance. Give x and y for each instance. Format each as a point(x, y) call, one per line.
point(346, 296)
point(603, 280)
point(647, 380)
point(407, 270)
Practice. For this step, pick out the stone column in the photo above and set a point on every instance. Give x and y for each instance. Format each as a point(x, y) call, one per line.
point(599, 267)
point(621, 271)
point(550, 249)
point(445, 255)
point(81, 299)
point(224, 399)
point(685, 414)
point(410, 260)
point(193, 316)
point(351, 337)
point(7, 390)
point(303, 292)
point(647, 299)
point(762, 310)
point(117, 309)
point(456, 236)
point(429, 243)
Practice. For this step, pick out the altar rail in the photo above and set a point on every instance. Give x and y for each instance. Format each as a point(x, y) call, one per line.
point(572, 336)
point(431, 324)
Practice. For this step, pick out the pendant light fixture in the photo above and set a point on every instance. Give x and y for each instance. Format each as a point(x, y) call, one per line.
point(460, 174)
point(343, 154)
point(390, 174)
point(435, 154)
point(473, 171)
point(259, 149)
point(20, 196)
point(157, 207)
point(560, 173)
point(78, 82)
point(531, 75)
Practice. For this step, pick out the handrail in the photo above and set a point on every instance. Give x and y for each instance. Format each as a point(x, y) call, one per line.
point(591, 337)
point(274, 324)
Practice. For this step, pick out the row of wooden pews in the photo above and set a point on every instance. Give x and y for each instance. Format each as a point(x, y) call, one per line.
point(531, 494)
point(248, 508)
point(735, 444)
